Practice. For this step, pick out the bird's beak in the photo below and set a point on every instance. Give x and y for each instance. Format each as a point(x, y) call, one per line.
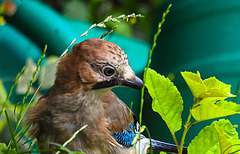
point(136, 83)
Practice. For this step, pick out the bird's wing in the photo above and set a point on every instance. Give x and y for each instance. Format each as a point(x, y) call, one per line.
point(124, 126)
point(121, 120)
point(34, 117)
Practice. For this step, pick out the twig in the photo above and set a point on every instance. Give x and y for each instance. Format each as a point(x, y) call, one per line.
point(148, 64)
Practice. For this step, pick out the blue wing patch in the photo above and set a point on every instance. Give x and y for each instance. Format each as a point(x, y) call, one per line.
point(126, 137)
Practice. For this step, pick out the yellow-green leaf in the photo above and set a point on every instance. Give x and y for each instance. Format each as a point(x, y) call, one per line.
point(227, 134)
point(3, 146)
point(215, 139)
point(3, 92)
point(210, 109)
point(216, 88)
point(229, 105)
point(194, 82)
point(212, 82)
point(225, 145)
point(167, 100)
point(210, 87)
point(205, 143)
point(215, 92)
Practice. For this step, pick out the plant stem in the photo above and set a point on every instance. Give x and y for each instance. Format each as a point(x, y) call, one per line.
point(11, 130)
point(22, 110)
point(187, 126)
point(10, 92)
point(149, 60)
point(148, 64)
point(175, 140)
point(150, 139)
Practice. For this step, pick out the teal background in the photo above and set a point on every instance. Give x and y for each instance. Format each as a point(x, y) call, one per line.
point(198, 35)
point(35, 25)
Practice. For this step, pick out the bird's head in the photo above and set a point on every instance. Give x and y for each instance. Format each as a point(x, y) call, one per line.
point(96, 64)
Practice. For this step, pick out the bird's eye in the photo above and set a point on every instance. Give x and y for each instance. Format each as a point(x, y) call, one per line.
point(108, 70)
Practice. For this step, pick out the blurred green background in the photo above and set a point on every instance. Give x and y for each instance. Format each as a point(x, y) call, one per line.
point(197, 35)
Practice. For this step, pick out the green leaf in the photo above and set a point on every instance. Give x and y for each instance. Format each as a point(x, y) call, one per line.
point(210, 87)
point(229, 106)
point(205, 142)
point(3, 96)
point(212, 82)
point(217, 138)
point(12, 151)
point(216, 88)
point(7, 151)
point(3, 123)
point(167, 100)
point(227, 134)
point(210, 109)
point(194, 82)
point(228, 128)
point(3, 92)
point(225, 145)
point(3, 146)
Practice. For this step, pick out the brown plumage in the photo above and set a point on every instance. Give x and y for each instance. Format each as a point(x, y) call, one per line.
point(81, 95)
point(72, 103)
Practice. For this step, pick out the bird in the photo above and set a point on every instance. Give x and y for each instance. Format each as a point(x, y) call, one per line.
point(82, 96)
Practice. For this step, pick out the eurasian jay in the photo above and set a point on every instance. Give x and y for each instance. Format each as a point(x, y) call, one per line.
point(81, 95)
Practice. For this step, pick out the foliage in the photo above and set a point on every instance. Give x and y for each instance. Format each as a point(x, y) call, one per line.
point(96, 10)
point(219, 137)
point(14, 114)
point(167, 100)
point(209, 103)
